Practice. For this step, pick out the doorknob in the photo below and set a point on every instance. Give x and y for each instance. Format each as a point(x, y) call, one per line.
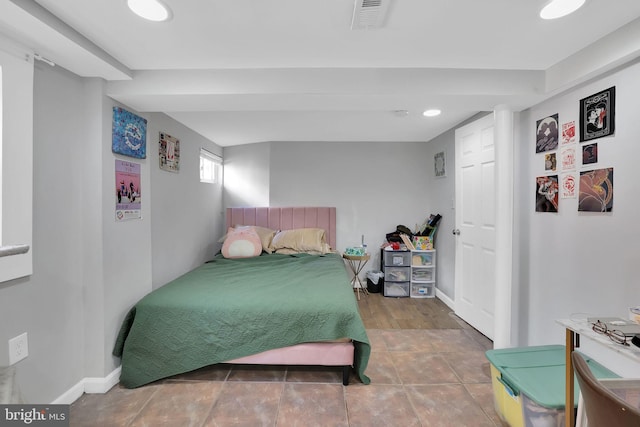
point(456, 232)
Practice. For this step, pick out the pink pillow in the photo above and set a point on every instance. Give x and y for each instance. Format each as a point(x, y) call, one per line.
point(243, 242)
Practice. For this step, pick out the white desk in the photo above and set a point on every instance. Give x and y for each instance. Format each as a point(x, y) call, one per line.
point(575, 329)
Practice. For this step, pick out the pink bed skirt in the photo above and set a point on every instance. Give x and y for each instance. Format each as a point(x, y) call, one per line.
point(320, 353)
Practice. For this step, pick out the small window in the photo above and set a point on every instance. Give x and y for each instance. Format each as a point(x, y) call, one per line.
point(210, 165)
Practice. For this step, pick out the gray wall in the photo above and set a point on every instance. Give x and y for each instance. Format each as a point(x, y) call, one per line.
point(187, 214)
point(88, 269)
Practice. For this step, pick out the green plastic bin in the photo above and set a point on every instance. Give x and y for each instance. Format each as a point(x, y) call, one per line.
point(529, 384)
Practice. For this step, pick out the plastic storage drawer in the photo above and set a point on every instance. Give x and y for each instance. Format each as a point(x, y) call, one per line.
point(420, 259)
point(422, 274)
point(529, 384)
point(396, 289)
point(397, 258)
point(423, 290)
point(397, 274)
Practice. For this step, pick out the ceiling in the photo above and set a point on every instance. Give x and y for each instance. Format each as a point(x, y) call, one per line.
point(246, 71)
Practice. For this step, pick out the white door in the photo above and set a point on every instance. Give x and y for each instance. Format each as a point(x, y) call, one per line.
point(475, 224)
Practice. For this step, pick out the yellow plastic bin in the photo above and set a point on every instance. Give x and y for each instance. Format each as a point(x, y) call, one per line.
point(529, 384)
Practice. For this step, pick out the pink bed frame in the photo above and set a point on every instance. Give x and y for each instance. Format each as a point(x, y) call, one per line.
point(332, 353)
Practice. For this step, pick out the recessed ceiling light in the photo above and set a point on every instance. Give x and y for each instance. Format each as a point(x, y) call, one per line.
point(431, 113)
point(559, 8)
point(153, 10)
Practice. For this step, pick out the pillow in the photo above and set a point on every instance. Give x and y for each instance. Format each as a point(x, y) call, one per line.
point(309, 240)
point(242, 242)
point(265, 234)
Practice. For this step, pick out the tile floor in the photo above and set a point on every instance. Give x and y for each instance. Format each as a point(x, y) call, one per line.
point(419, 377)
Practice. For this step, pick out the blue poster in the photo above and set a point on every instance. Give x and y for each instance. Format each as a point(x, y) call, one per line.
point(129, 134)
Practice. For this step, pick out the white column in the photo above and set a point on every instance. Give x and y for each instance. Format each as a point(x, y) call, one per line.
point(504, 158)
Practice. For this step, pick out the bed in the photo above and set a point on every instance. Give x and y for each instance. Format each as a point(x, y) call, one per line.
point(274, 309)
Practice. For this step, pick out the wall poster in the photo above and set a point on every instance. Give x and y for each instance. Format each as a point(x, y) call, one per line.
point(568, 186)
point(568, 158)
point(128, 194)
point(589, 154)
point(547, 134)
point(597, 115)
point(169, 152)
point(547, 193)
point(596, 191)
point(568, 132)
point(129, 134)
point(550, 162)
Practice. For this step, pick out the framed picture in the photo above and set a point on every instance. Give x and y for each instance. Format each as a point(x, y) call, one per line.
point(597, 115)
point(440, 164)
point(129, 134)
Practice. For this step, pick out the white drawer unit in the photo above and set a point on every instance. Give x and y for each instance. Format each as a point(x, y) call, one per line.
point(423, 274)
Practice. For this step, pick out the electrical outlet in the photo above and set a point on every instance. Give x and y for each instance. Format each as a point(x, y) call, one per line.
point(18, 348)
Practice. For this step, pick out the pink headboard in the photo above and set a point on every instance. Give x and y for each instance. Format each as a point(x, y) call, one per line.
point(286, 219)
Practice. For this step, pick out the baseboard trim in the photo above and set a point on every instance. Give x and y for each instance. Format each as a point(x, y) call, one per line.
point(91, 385)
point(445, 299)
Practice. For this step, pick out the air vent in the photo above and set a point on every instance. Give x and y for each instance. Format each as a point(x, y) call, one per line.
point(369, 14)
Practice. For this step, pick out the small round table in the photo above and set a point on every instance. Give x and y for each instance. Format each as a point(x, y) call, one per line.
point(356, 263)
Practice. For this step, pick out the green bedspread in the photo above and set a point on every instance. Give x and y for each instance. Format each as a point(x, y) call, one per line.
point(227, 309)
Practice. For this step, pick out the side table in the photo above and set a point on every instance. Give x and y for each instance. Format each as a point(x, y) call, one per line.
point(357, 263)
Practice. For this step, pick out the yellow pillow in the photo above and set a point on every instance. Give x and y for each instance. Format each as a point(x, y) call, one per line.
point(309, 240)
point(266, 235)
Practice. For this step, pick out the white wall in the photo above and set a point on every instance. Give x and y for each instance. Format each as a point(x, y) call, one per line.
point(578, 262)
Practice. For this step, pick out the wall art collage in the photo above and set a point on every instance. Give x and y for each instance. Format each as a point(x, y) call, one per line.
point(570, 167)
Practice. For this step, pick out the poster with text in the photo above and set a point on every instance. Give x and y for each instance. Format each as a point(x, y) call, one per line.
point(128, 193)
point(596, 191)
point(568, 133)
point(568, 186)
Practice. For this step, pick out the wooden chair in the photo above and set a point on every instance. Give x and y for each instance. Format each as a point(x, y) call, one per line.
point(603, 407)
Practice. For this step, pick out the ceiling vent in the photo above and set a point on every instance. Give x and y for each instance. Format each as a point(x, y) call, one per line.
point(369, 14)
